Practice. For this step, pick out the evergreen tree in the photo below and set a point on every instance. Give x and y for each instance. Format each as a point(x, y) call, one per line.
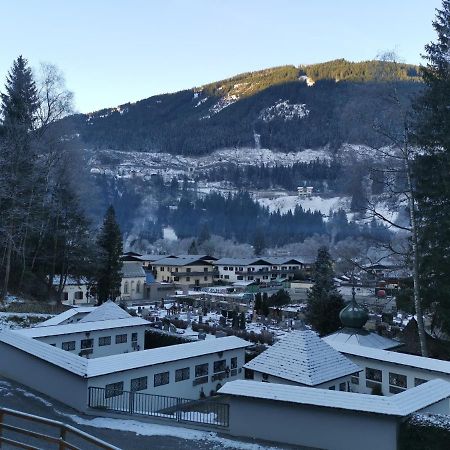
point(109, 275)
point(324, 301)
point(19, 175)
point(432, 132)
point(204, 235)
point(259, 243)
point(258, 303)
point(265, 305)
point(193, 250)
point(242, 321)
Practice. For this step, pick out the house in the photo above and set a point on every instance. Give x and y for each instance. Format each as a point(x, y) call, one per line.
point(160, 377)
point(75, 291)
point(189, 271)
point(258, 269)
point(302, 358)
point(106, 330)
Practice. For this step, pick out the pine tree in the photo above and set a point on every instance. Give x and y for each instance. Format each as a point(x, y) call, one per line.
point(18, 178)
point(109, 275)
point(259, 243)
point(193, 250)
point(432, 133)
point(324, 301)
point(242, 321)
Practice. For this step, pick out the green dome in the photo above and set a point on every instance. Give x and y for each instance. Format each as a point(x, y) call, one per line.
point(353, 315)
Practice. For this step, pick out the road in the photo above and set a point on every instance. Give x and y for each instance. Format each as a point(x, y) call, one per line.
point(123, 433)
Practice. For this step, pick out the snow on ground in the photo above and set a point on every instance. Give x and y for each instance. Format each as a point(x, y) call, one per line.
point(287, 203)
point(150, 429)
point(8, 320)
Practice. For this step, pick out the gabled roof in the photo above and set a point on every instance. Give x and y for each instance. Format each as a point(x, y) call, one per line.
point(132, 270)
point(79, 327)
point(202, 257)
point(420, 362)
point(401, 405)
point(107, 311)
point(66, 315)
point(151, 258)
point(303, 357)
point(53, 355)
point(188, 261)
point(361, 337)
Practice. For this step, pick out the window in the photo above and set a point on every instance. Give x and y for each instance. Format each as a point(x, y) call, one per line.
point(332, 388)
point(87, 343)
point(188, 269)
point(205, 269)
point(121, 338)
point(70, 345)
point(176, 269)
point(397, 382)
point(134, 337)
point(182, 374)
point(66, 295)
point(240, 277)
point(355, 378)
point(125, 287)
point(265, 378)
point(162, 269)
point(374, 377)
point(138, 287)
point(225, 268)
point(78, 295)
point(188, 278)
point(138, 384)
point(220, 366)
point(104, 340)
point(161, 378)
point(342, 386)
point(114, 389)
point(234, 363)
point(419, 381)
point(241, 269)
point(201, 370)
point(250, 277)
point(176, 278)
point(227, 277)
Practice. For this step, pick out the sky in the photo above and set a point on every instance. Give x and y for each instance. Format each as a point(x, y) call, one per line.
point(117, 51)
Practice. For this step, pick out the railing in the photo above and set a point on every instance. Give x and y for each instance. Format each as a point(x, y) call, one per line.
point(37, 439)
point(207, 412)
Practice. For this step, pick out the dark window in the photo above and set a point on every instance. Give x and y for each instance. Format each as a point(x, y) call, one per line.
point(331, 388)
point(234, 363)
point(355, 378)
point(138, 384)
point(419, 381)
point(342, 386)
point(188, 278)
point(374, 375)
point(220, 366)
point(114, 389)
point(176, 278)
point(240, 277)
point(265, 377)
point(182, 374)
point(188, 269)
point(121, 338)
point(205, 278)
point(78, 295)
point(134, 337)
point(87, 343)
point(104, 340)
point(227, 277)
point(397, 382)
point(161, 378)
point(201, 370)
point(205, 269)
point(70, 345)
point(66, 296)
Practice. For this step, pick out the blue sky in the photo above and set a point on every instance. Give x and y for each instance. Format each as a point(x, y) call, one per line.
point(114, 51)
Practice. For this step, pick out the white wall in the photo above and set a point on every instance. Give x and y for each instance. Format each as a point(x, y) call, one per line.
point(183, 389)
point(132, 291)
point(303, 425)
point(71, 290)
point(386, 367)
point(258, 376)
point(99, 351)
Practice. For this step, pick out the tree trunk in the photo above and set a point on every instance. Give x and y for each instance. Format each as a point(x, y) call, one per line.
point(415, 251)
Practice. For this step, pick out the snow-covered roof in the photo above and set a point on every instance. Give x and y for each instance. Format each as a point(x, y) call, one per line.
point(187, 261)
point(303, 357)
point(66, 315)
point(79, 327)
point(126, 361)
point(69, 281)
point(132, 270)
point(420, 362)
point(53, 355)
point(361, 337)
point(402, 404)
point(152, 258)
point(270, 260)
point(106, 311)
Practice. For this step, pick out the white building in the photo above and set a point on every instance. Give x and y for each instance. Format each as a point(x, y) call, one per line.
point(258, 269)
point(301, 358)
point(75, 291)
point(133, 281)
point(107, 330)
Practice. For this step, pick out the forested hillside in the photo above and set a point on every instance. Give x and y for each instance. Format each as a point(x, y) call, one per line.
point(284, 108)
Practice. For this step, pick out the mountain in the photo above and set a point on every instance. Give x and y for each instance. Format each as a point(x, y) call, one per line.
point(284, 109)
